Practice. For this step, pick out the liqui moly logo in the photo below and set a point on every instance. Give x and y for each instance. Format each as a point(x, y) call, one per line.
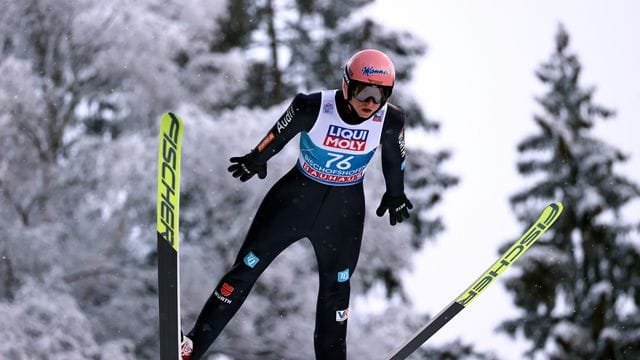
point(346, 139)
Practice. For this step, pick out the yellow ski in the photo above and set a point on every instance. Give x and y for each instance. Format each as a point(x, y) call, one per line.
point(549, 215)
point(167, 225)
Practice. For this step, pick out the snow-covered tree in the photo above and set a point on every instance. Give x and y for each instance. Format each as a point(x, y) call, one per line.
point(281, 47)
point(578, 289)
point(83, 84)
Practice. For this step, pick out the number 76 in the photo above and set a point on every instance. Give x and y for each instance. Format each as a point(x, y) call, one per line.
point(342, 161)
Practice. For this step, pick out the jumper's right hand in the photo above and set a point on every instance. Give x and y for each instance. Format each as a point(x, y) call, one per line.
point(245, 167)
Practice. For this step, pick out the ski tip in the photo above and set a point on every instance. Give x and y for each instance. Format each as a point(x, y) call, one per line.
point(173, 116)
point(551, 213)
point(557, 204)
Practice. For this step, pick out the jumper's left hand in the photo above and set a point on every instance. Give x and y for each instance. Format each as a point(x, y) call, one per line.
point(398, 207)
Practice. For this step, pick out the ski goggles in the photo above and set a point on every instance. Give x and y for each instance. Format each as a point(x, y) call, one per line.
point(362, 92)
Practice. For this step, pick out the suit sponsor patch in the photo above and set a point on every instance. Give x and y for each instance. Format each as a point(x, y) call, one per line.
point(346, 139)
point(342, 315)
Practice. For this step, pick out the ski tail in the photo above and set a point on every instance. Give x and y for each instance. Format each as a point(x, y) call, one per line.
point(548, 217)
point(167, 225)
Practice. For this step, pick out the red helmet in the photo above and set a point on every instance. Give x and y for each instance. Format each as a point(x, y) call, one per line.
point(369, 68)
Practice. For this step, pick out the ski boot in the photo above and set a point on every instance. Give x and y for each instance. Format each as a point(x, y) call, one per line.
point(186, 348)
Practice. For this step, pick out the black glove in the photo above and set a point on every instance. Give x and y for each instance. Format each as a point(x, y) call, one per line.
point(398, 207)
point(246, 166)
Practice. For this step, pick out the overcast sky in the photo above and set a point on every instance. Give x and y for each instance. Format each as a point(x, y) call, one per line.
point(478, 81)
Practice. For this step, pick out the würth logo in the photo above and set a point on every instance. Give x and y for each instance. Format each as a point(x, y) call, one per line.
point(226, 289)
point(346, 139)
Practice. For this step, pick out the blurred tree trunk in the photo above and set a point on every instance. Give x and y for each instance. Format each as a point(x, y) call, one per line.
point(276, 72)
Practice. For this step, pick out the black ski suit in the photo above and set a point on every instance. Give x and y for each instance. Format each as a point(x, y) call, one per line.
point(298, 206)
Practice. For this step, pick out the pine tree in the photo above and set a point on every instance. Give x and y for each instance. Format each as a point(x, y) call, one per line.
point(578, 289)
point(294, 46)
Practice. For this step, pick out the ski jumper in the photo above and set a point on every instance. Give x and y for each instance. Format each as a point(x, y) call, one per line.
point(320, 198)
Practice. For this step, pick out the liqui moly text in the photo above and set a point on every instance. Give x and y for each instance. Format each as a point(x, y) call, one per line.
point(346, 139)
